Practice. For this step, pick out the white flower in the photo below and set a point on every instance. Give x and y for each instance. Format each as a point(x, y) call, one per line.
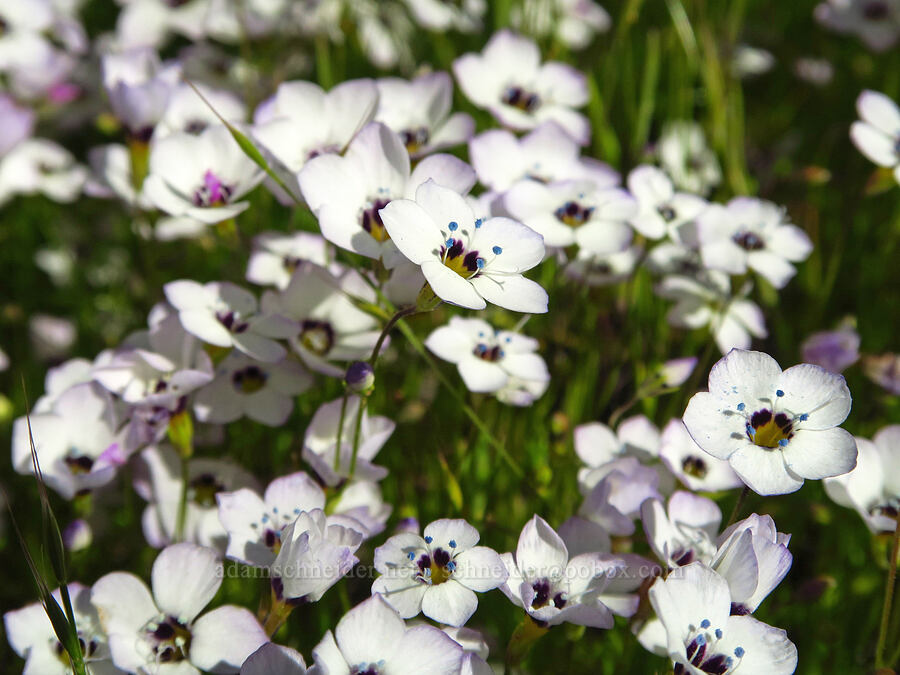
point(438, 573)
point(158, 479)
point(685, 531)
point(146, 630)
point(751, 233)
point(686, 157)
point(139, 87)
point(574, 212)
point(347, 193)
point(254, 524)
point(276, 256)
point(361, 507)
point(332, 328)
point(547, 154)
point(696, 469)
point(419, 110)
point(302, 121)
point(372, 638)
point(776, 428)
point(262, 391)
point(148, 23)
point(272, 659)
point(487, 358)
point(225, 315)
point(572, 22)
point(554, 589)
point(694, 603)
point(707, 301)
point(467, 261)
point(37, 165)
point(314, 555)
point(201, 177)
point(875, 22)
point(615, 491)
point(385, 32)
point(597, 445)
point(603, 269)
point(509, 80)
point(187, 112)
point(32, 637)
point(112, 176)
point(878, 134)
point(662, 210)
point(77, 441)
point(873, 487)
point(522, 392)
point(320, 444)
point(444, 15)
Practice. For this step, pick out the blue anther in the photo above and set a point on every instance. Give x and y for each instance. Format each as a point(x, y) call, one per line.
point(453, 225)
point(478, 223)
point(479, 263)
point(497, 250)
point(718, 633)
point(427, 540)
point(451, 566)
point(779, 393)
point(783, 442)
point(411, 555)
point(705, 623)
point(741, 406)
point(804, 417)
point(452, 543)
point(739, 652)
point(449, 243)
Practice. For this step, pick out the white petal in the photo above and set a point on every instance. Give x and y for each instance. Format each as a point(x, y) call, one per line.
point(879, 111)
point(449, 603)
point(815, 392)
point(412, 230)
point(820, 454)
point(369, 632)
point(514, 292)
point(874, 144)
point(185, 578)
point(480, 569)
point(721, 435)
point(450, 287)
point(764, 471)
point(425, 649)
point(540, 548)
point(272, 659)
point(221, 640)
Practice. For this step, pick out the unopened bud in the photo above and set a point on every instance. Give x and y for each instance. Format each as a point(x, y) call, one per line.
point(77, 535)
point(360, 378)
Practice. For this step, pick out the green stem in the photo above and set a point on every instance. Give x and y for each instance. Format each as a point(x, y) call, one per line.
point(888, 599)
point(340, 432)
point(735, 512)
point(408, 311)
point(356, 435)
point(182, 501)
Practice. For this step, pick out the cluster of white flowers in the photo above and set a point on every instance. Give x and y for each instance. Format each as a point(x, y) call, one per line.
point(404, 226)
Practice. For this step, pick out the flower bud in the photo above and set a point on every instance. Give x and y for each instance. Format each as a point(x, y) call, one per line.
point(77, 535)
point(360, 378)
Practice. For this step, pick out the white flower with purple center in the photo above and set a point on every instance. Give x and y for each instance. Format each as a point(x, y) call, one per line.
point(254, 524)
point(419, 110)
point(438, 573)
point(875, 22)
point(686, 157)
point(572, 22)
point(347, 193)
point(684, 531)
point(877, 135)
point(694, 605)
point(750, 233)
point(276, 256)
point(776, 428)
point(662, 210)
point(614, 491)
point(467, 261)
point(201, 176)
point(37, 165)
point(508, 79)
point(225, 315)
point(146, 630)
point(574, 212)
point(694, 467)
point(487, 358)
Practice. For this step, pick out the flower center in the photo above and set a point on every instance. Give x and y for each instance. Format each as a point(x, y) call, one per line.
point(196, 127)
point(770, 430)
point(371, 220)
point(700, 649)
point(88, 646)
point(232, 321)
point(489, 354)
point(543, 595)
point(465, 263)
point(213, 192)
point(520, 98)
point(415, 139)
point(367, 668)
point(667, 213)
point(876, 10)
point(435, 568)
point(317, 336)
point(203, 490)
point(170, 638)
point(748, 241)
point(573, 214)
point(78, 464)
point(694, 466)
point(249, 380)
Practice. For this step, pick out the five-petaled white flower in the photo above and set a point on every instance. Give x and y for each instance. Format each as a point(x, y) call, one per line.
point(467, 261)
point(877, 135)
point(438, 573)
point(776, 428)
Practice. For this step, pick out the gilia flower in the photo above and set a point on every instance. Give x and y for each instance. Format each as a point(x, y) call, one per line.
point(438, 573)
point(467, 261)
point(662, 210)
point(419, 110)
point(332, 328)
point(201, 177)
point(833, 350)
point(522, 392)
point(371, 638)
point(574, 212)
point(487, 358)
point(347, 193)
point(683, 532)
point(139, 87)
point(685, 156)
point(264, 392)
point(37, 165)
point(186, 112)
point(875, 22)
point(276, 256)
point(873, 487)
point(547, 154)
point(508, 79)
point(694, 604)
point(313, 557)
point(225, 315)
point(696, 469)
point(77, 441)
point(552, 588)
point(361, 507)
point(877, 136)
point(572, 22)
point(254, 524)
point(146, 630)
point(442, 16)
point(776, 428)
point(320, 444)
point(32, 637)
point(615, 491)
point(751, 233)
point(596, 444)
